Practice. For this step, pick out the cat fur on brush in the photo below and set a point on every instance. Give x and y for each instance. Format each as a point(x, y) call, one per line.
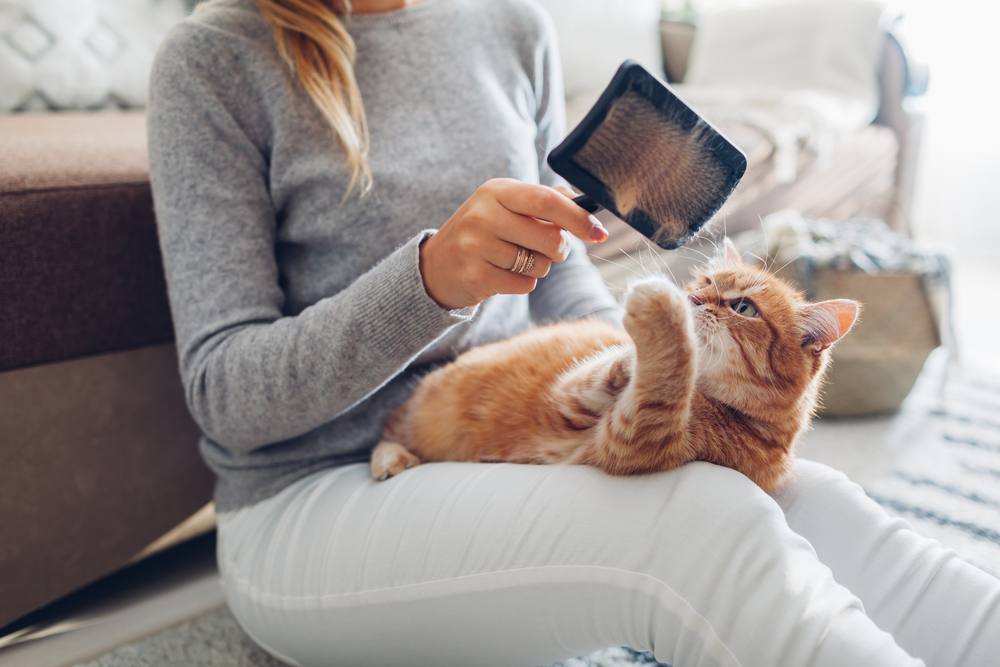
point(726, 370)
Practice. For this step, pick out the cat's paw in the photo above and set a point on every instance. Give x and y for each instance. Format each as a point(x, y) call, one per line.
point(655, 302)
point(389, 459)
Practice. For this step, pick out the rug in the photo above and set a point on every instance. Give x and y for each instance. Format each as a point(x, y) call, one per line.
point(215, 640)
point(939, 469)
point(945, 476)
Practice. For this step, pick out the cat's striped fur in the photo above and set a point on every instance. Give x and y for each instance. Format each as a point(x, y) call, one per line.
point(689, 378)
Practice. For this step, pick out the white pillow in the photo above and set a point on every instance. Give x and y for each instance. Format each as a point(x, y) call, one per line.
point(80, 54)
point(831, 48)
point(595, 36)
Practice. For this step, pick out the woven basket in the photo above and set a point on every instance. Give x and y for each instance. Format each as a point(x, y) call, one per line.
point(874, 367)
point(902, 286)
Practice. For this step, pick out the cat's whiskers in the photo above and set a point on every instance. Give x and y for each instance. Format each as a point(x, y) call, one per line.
point(638, 258)
point(707, 232)
point(660, 260)
point(654, 255)
point(611, 261)
point(768, 256)
point(708, 258)
point(762, 260)
point(652, 260)
point(642, 266)
point(793, 259)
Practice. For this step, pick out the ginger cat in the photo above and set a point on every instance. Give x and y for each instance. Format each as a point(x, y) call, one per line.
point(726, 371)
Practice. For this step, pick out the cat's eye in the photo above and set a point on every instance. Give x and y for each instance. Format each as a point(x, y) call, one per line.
point(744, 307)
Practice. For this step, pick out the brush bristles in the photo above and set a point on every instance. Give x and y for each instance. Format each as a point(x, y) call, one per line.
point(656, 165)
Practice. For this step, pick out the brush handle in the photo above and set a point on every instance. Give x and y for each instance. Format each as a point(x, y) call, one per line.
point(586, 203)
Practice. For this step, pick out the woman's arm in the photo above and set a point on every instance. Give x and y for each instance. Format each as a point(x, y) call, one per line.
point(253, 376)
point(573, 289)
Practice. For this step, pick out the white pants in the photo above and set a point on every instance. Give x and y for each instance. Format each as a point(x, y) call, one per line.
point(501, 564)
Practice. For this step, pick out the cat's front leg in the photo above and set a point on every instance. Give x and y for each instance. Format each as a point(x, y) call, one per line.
point(658, 319)
point(647, 427)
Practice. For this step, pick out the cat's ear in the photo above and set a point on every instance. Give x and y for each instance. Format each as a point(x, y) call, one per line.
point(826, 322)
point(728, 254)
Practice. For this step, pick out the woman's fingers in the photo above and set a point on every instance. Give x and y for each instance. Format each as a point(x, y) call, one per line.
point(542, 237)
point(471, 256)
point(502, 255)
point(567, 191)
point(538, 201)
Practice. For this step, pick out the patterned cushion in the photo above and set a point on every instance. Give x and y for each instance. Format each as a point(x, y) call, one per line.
point(80, 54)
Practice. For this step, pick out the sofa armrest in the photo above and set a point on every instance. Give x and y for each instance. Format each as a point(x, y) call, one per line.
point(902, 77)
point(903, 81)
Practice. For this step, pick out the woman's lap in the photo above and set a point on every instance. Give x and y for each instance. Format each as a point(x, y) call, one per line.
point(471, 563)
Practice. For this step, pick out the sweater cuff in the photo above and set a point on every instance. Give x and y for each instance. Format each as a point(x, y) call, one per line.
point(410, 318)
point(463, 314)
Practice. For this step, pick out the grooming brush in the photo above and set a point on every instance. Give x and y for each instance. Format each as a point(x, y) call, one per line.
point(649, 159)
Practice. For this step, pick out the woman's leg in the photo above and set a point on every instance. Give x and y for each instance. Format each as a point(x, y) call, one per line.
point(478, 564)
point(937, 606)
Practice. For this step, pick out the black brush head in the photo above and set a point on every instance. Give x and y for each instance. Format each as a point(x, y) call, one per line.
point(647, 157)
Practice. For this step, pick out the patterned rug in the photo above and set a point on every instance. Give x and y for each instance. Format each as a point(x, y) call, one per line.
point(215, 640)
point(945, 479)
point(939, 469)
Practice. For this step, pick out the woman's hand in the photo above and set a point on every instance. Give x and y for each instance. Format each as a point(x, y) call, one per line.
point(470, 257)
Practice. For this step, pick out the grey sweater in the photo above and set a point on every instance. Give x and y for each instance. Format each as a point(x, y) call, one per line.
point(301, 319)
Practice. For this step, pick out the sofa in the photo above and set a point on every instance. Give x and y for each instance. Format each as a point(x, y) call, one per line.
point(871, 173)
point(98, 448)
point(100, 463)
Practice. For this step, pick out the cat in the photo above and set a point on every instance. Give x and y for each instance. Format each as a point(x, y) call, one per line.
point(726, 371)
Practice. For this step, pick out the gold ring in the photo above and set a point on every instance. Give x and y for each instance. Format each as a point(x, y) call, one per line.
point(524, 260)
point(529, 265)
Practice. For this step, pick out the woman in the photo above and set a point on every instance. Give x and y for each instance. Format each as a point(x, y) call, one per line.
point(302, 157)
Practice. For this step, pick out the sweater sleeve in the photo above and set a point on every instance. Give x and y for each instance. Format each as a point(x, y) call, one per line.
point(573, 289)
point(252, 375)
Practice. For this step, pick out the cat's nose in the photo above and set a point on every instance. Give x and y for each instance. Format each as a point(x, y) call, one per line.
point(695, 299)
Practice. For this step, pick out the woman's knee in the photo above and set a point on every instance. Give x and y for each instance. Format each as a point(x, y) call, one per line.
point(811, 479)
point(806, 472)
point(715, 515)
point(713, 493)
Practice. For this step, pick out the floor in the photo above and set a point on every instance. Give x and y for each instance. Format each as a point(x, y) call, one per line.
point(157, 593)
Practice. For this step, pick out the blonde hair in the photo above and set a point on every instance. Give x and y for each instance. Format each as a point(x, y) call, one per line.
point(312, 39)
